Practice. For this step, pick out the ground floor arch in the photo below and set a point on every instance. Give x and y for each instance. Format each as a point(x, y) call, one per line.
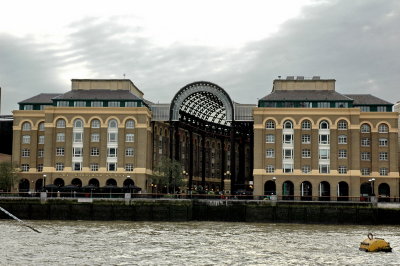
point(306, 190)
point(324, 191)
point(270, 188)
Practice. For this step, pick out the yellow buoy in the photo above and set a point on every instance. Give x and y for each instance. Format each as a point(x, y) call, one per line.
point(372, 244)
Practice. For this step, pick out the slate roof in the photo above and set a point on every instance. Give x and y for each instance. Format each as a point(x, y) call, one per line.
point(305, 95)
point(98, 95)
point(41, 98)
point(367, 99)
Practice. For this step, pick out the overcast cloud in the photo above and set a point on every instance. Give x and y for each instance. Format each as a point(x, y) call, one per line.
point(354, 42)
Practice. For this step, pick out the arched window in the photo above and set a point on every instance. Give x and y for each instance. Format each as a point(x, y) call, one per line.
point(130, 124)
point(95, 123)
point(41, 126)
point(270, 124)
point(26, 126)
point(78, 123)
point(112, 123)
point(342, 125)
point(365, 128)
point(60, 123)
point(383, 128)
point(324, 125)
point(288, 124)
point(306, 125)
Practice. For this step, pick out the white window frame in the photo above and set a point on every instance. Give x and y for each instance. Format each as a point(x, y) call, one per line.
point(270, 138)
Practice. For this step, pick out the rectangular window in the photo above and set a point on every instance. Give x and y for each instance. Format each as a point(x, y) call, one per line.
point(26, 139)
point(288, 104)
point(62, 103)
point(287, 153)
point(342, 139)
point(78, 137)
point(381, 108)
point(305, 169)
point(365, 109)
point(111, 166)
point(305, 104)
point(94, 152)
point(59, 151)
point(270, 153)
point(131, 104)
point(365, 142)
point(129, 152)
point(342, 169)
point(28, 107)
point(112, 152)
point(383, 171)
point(95, 137)
point(306, 153)
point(324, 169)
point(288, 168)
point(25, 167)
point(270, 169)
point(306, 139)
point(365, 156)
point(323, 139)
point(94, 167)
point(130, 137)
point(41, 139)
point(129, 167)
point(96, 104)
point(39, 167)
point(341, 104)
point(77, 152)
point(324, 104)
point(60, 137)
point(113, 104)
point(270, 138)
point(383, 156)
point(324, 154)
point(383, 142)
point(365, 171)
point(59, 167)
point(288, 138)
point(40, 153)
point(77, 166)
point(112, 137)
point(25, 153)
point(342, 154)
point(79, 103)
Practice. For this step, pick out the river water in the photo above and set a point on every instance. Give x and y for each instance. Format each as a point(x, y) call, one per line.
point(190, 243)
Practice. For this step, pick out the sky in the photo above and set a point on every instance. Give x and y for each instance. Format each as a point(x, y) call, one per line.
point(240, 45)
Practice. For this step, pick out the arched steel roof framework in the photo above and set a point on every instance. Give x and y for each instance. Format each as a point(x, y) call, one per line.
point(204, 100)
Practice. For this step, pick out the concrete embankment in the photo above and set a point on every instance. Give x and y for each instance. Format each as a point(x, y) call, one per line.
point(202, 210)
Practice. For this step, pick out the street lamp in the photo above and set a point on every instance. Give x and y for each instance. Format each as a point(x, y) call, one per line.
point(372, 180)
point(227, 174)
point(44, 181)
point(274, 180)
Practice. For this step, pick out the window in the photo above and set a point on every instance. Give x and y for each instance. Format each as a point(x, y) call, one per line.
point(383, 156)
point(111, 166)
point(39, 167)
point(306, 153)
point(26, 139)
point(324, 125)
point(270, 124)
point(342, 139)
point(40, 153)
point(287, 168)
point(59, 151)
point(287, 153)
point(77, 152)
point(76, 166)
point(365, 108)
point(342, 154)
point(95, 137)
point(288, 124)
point(270, 153)
point(323, 139)
point(78, 123)
point(381, 108)
point(305, 104)
point(341, 104)
point(383, 171)
point(383, 142)
point(131, 104)
point(365, 156)
point(306, 125)
point(28, 107)
point(41, 139)
point(112, 124)
point(342, 125)
point(113, 104)
point(95, 123)
point(306, 139)
point(24, 167)
point(96, 104)
point(323, 154)
point(112, 152)
point(270, 138)
point(130, 137)
point(112, 137)
point(26, 126)
point(94, 167)
point(42, 106)
point(365, 171)
point(324, 104)
point(129, 167)
point(60, 123)
point(62, 103)
point(41, 126)
point(305, 169)
point(342, 169)
point(324, 169)
point(365, 142)
point(129, 152)
point(94, 152)
point(365, 128)
point(288, 138)
point(78, 137)
point(25, 153)
point(270, 169)
point(130, 124)
point(59, 167)
point(79, 103)
point(383, 128)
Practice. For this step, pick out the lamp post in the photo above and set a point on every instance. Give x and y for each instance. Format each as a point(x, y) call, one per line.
point(227, 175)
point(189, 186)
point(372, 180)
point(129, 186)
point(44, 181)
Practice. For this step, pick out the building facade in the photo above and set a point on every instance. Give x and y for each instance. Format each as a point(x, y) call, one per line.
point(304, 140)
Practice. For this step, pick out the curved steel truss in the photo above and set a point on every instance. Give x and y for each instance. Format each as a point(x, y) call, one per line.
point(203, 100)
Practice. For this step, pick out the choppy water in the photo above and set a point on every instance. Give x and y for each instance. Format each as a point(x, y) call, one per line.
point(190, 243)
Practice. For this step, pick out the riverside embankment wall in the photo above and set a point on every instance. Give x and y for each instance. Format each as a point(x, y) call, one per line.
point(202, 210)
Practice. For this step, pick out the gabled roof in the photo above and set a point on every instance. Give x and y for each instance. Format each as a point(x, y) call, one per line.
point(41, 98)
point(367, 99)
point(305, 95)
point(98, 95)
